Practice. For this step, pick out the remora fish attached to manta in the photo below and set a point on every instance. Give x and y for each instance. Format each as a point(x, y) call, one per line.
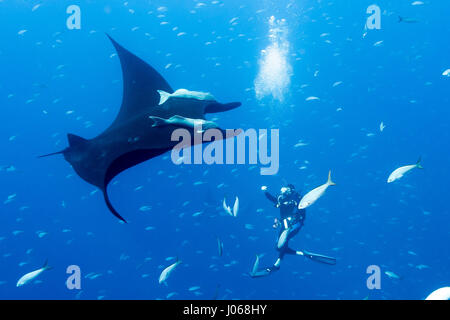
point(142, 129)
point(32, 275)
point(315, 194)
point(185, 94)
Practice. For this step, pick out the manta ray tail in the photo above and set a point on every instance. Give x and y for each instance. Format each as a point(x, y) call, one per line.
point(73, 140)
point(110, 206)
point(52, 154)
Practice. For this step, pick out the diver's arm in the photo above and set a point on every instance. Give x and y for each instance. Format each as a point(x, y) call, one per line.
point(271, 198)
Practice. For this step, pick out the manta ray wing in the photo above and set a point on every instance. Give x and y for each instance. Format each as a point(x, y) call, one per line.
point(133, 137)
point(141, 83)
point(123, 163)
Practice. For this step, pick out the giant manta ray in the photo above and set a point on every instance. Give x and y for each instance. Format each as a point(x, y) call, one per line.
point(142, 129)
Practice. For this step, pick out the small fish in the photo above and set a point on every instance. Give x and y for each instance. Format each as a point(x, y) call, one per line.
point(220, 246)
point(167, 271)
point(228, 210)
point(41, 234)
point(315, 194)
point(392, 275)
point(378, 43)
point(186, 94)
point(194, 288)
point(93, 276)
point(32, 275)
point(226, 207)
point(145, 208)
point(236, 207)
point(446, 73)
point(400, 172)
point(406, 20)
point(422, 266)
point(216, 293)
point(196, 214)
point(35, 7)
point(300, 143)
point(382, 126)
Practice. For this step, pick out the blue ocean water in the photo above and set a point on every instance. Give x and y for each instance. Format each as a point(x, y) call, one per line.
point(56, 81)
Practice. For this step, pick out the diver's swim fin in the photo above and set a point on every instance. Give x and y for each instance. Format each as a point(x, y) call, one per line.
point(260, 274)
point(320, 258)
point(257, 274)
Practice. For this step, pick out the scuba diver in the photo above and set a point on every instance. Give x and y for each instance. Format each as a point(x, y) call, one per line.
point(290, 223)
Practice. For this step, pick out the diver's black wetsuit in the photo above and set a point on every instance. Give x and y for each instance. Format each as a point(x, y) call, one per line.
point(292, 220)
point(290, 217)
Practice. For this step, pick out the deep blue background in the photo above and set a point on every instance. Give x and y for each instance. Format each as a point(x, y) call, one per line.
point(362, 221)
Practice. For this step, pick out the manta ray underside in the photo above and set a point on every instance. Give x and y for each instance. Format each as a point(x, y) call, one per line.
point(135, 135)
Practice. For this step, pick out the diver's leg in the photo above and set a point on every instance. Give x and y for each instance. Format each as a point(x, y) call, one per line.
point(276, 265)
point(268, 270)
point(282, 239)
point(292, 234)
point(283, 247)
